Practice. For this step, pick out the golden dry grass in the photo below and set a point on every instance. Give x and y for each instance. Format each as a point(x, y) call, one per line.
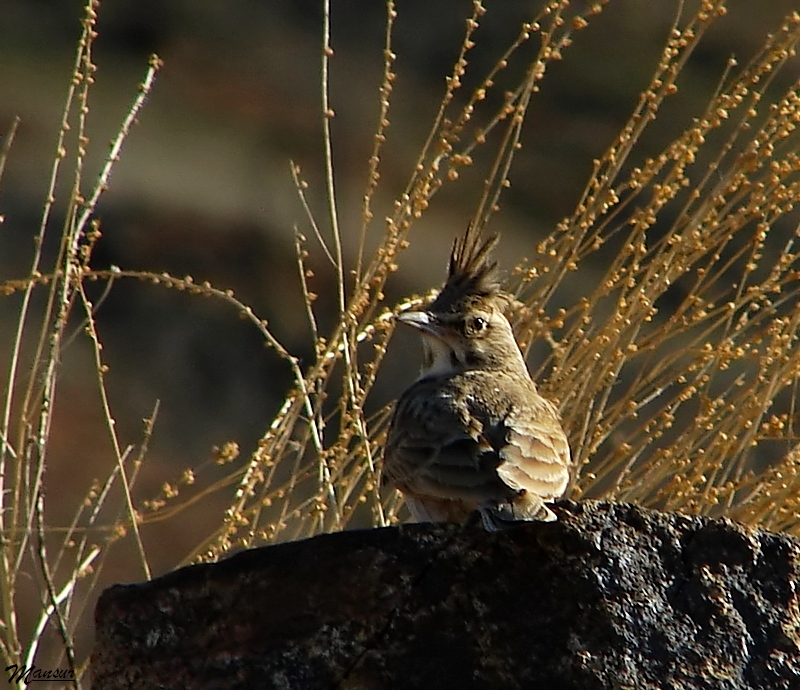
point(675, 371)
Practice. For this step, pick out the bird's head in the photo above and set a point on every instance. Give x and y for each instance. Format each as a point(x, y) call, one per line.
point(464, 327)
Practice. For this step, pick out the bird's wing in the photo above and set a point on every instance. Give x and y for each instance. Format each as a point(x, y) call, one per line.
point(433, 450)
point(536, 457)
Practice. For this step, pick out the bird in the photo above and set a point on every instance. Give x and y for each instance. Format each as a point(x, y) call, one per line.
point(472, 437)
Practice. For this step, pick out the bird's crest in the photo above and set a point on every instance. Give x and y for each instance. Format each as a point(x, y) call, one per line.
point(471, 275)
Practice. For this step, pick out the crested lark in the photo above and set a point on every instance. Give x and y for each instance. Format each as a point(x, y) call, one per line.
point(472, 433)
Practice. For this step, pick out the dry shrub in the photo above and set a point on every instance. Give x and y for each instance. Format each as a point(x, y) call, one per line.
point(675, 373)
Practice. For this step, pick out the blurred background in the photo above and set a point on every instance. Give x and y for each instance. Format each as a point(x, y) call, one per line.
point(204, 188)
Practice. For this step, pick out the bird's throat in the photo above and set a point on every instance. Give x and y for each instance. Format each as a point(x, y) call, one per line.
point(439, 359)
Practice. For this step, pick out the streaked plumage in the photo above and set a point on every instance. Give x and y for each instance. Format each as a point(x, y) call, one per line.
point(472, 433)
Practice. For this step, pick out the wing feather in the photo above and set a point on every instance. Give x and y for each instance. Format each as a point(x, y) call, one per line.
point(453, 453)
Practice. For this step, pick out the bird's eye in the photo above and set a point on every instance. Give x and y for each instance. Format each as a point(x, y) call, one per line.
point(478, 325)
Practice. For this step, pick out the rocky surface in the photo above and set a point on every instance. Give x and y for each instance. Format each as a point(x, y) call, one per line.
point(609, 596)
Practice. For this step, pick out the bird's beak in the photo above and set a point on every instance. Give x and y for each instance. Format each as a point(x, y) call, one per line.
point(423, 321)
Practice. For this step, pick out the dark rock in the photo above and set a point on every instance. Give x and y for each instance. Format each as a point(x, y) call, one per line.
point(609, 596)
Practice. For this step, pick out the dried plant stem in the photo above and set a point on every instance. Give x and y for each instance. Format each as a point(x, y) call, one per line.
point(373, 174)
point(100, 368)
point(55, 598)
point(17, 501)
point(88, 208)
point(5, 149)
